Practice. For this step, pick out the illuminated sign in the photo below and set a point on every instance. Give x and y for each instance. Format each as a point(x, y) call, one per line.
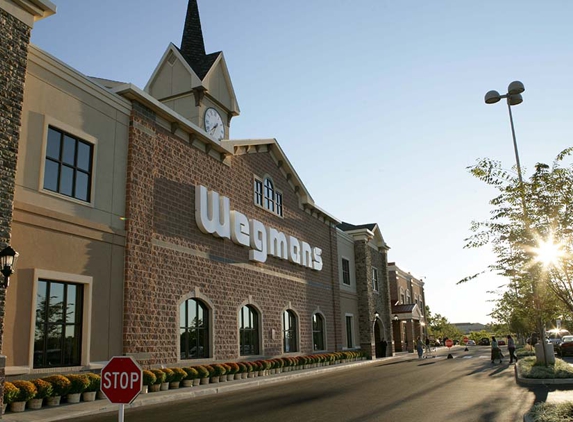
point(214, 216)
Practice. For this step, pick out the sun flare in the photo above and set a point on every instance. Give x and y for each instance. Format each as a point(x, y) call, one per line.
point(548, 252)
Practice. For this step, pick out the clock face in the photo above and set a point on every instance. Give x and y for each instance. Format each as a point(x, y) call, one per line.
point(214, 124)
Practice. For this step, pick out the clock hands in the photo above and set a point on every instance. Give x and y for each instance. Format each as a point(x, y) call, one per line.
point(212, 131)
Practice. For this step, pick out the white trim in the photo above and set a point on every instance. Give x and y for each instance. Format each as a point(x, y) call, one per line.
point(57, 276)
point(342, 257)
point(352, 326)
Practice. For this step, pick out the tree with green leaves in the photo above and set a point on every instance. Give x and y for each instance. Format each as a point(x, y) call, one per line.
point(531, 233)
point(440, 327)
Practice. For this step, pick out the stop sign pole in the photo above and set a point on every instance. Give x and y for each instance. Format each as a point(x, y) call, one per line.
point(121, 382)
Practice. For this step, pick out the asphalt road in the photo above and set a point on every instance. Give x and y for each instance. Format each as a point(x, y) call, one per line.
point(467, 388)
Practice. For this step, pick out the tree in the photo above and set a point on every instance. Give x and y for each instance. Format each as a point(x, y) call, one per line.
point(531, 233)
point(440, 327)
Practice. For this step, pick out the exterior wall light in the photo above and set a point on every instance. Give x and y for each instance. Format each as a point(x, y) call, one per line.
point(8, 258)
point(396, 318)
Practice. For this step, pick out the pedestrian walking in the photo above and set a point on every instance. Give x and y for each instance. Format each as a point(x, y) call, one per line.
point(511, 349)
point(419, 347)
point(495, 351)
point(428, 347)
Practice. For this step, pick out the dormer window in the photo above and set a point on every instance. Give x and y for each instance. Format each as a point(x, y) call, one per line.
point(267, 197)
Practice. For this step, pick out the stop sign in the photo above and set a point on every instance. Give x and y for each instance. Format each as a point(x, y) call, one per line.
point(121, 380)
point(449, 343)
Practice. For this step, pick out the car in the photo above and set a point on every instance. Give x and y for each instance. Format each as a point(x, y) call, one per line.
point(555, 336)
point(501, 343)
point(565, 347)
point(471, 343)
point(484, 342)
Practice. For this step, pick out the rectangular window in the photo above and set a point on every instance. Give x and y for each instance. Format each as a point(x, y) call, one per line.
point(58, 333)
point(349, 340)
point(345, 271)
point(375, 279)
point(68, 167)
point(279, 203)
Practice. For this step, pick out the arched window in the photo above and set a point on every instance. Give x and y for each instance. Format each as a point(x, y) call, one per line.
point(269, 195)
point(194, 329)
point(318, 332)
point(249, 331)
point(290, 337)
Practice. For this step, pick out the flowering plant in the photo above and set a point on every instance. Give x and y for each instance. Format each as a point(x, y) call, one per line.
point(26, 390)
point(43, 388)
point(149, 377)
point(60, 384)
point(10, 392)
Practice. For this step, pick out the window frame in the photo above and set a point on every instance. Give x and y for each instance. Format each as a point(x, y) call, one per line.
point(273, 204)
point(87, 282)
point(202, 332)
point(349, 328)
point(343, 260)
point(74, 133)
point(293, 329)
point(253, 331)
point(321, 332)
point(375, 280)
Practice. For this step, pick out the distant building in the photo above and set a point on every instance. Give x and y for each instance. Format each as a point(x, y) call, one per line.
point(408, 308)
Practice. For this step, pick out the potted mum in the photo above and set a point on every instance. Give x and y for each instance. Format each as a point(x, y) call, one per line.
point(191, 378)
point(79, 383)
point(10, 394)
point(43, 389)
point(26, 391)
point(60, 387)
point(149, 379)
point(160, 378)
point(242, 370)
point(90, 392)
point(204, 374)
point(168, 378)
point(178, 375)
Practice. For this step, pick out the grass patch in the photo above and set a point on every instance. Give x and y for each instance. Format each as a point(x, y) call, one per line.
point(526, 350)
point(552, 412)
point(528, 368)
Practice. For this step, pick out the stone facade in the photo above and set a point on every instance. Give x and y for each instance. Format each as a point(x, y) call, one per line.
point(169, 260)
point(13, 60)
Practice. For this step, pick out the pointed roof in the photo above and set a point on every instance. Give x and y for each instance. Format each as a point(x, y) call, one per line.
point(193, 45)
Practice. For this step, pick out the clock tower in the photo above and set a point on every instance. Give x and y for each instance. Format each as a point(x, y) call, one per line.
point(195, 84)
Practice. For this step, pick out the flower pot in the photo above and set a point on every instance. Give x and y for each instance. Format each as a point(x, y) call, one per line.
point(214, 380)
point(164, 386)
point(250, 375)
point(35, 404)
point(173, 385)
point(89, 395)
point(223, 378)
point(196, 382)
point(204, 381)
point(4, 406)
point(188, 383)
point(74, 397)
point(53, 401)
point(238, 376)
point(100, 395)
point(18, 406)
point(154, 388)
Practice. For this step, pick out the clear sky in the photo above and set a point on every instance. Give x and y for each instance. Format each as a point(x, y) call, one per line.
point(378, 104)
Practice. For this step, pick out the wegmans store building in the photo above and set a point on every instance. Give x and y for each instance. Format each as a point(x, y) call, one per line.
point(143, 230)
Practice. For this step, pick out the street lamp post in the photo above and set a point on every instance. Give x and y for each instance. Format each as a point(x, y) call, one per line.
point(514, 97)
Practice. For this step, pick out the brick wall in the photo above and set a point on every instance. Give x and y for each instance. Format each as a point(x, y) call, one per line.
point(168, 259)
point(14, 41)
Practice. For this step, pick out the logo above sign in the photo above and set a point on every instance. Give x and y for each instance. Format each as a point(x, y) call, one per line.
point(214, 216)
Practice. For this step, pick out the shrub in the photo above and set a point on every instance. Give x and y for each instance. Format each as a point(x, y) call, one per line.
point(233, 368)
point(95, 382)
point(27, 390)
point(202, 371)
point(10, 392)
point(249, 366)
point(43, 388)
point(210, 369)
point(191, 373)
point(178, 374)
point(242, 367)
point(60, 384)
point(149, 377)
point(79, 383)
point(160, 376)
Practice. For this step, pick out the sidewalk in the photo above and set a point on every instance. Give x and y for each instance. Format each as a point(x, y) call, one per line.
point(76, 411)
